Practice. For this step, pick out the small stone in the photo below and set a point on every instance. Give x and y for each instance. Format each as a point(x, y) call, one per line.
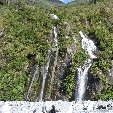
point(34, 111)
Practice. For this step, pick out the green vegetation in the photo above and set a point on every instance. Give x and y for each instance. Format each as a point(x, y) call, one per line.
point(26, 29)
point(96, 22)
point(106, 93)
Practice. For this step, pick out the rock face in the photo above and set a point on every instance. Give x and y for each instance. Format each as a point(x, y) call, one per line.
point(110, 74)
point(47, 80)
point(58, 106)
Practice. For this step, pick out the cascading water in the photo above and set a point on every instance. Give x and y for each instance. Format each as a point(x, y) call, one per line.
point(55, 36)
point(55, 41)
point(82, 79)
point(89, 46)
point(45, 72)
point(31, 84)
point(46, 67)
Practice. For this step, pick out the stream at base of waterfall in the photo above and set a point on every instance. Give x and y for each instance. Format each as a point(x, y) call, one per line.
point(59, 106)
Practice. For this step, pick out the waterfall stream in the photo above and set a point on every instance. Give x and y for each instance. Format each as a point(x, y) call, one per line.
point(55, 41)
point(82, 79)
point(89, 47)
point(45, 72)
point(48, 58)
point(36, 73)
point(55, 36)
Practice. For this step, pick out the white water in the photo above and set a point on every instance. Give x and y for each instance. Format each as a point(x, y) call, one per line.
point(55, 36)
point(89, 46)
point(60, 106)
point(82, 79)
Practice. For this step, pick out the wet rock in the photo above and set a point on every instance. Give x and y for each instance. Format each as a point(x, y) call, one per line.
point(109, 107)
point(84, 108)
point(56, 107)
point(53, 16)
point(101, 107)
point(34, 111)
point(53, 109)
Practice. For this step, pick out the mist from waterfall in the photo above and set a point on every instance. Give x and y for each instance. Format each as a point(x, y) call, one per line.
point(89, 47)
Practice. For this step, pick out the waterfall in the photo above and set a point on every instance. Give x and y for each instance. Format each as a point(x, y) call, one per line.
point(55, 36)
point(82, 79)
point(45, 72)
point(55, 41)
point(36, 74)
point(48, 58)
point(89, 47)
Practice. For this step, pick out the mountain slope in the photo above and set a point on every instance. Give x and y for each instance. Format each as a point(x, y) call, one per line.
point(45, 3)
point(26, 35)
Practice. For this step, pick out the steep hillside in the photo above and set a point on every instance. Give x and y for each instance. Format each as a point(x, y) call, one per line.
point(27, 35)
point(96, 21)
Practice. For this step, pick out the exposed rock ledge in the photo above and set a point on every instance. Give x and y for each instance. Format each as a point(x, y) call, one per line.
point(60, 107)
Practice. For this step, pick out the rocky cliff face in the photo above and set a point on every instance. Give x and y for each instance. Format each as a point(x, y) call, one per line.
point(51, 77)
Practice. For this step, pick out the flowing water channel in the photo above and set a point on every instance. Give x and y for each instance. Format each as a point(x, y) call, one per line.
point(46, 75)
point(45, 72)
point(89, 47)
point(48, 58)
